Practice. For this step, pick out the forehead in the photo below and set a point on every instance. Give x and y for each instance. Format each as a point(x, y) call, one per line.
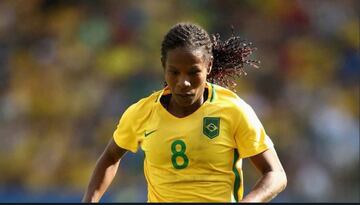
point(185, 56)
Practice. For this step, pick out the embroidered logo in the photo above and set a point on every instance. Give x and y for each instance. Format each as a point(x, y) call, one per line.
point(211, 126)
point(149, 133)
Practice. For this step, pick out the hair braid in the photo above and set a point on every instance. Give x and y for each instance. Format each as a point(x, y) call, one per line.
point(230, 56)
point(185, 34)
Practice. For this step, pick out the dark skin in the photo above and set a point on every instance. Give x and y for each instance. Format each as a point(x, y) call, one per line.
point(185, 72)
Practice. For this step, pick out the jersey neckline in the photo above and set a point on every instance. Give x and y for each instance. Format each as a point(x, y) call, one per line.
point(166, 91)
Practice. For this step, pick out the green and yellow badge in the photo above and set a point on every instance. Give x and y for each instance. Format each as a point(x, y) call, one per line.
point(211, 127)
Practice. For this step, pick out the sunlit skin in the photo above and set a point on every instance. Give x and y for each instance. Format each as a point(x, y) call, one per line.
point(185, 72)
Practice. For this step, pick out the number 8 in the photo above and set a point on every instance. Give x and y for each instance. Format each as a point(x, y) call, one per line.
point(180, 153)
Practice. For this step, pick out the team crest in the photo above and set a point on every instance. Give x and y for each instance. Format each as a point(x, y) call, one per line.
point(211, 127)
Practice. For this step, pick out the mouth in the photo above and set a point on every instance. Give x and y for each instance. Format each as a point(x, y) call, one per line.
point(185, 95)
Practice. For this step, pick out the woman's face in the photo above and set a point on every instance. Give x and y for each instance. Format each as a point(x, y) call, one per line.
point(185, 73)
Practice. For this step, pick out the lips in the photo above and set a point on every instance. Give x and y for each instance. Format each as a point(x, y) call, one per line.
point(186, 95)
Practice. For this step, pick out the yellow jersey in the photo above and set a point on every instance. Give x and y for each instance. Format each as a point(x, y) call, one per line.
point(196, 158)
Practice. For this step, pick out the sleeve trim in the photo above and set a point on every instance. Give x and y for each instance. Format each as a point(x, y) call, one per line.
point(255, 151)
point(124, 146)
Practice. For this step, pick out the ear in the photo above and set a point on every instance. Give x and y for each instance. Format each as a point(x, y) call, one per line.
point(210, 64)
point(163, 62)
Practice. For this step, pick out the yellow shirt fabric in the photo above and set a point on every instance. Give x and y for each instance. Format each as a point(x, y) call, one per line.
point(196, 158)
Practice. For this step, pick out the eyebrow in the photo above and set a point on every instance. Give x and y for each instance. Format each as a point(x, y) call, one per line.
point(195, 67)
point(172, 67)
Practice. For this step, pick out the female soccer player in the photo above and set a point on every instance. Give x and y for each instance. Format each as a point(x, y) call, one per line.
point(194, 132)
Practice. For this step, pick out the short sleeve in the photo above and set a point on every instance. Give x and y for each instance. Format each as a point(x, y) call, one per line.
point(250, 136)
point(124, 135)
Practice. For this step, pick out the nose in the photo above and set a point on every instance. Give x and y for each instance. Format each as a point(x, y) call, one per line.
point(183, 82)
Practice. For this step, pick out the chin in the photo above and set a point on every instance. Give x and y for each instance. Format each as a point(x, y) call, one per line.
point(185, 102)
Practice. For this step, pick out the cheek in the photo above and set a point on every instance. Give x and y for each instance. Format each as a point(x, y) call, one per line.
point(170, 80)
point(195, 80)
point(201, 78)
point(166, 76)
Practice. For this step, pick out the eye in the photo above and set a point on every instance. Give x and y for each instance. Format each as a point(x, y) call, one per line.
point(195, 72)
point(173, 72)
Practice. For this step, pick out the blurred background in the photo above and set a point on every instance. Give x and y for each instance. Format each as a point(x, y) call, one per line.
point(69, 69)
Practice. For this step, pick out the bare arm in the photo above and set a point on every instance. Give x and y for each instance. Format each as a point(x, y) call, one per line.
point(273, 179)
point(105, 170)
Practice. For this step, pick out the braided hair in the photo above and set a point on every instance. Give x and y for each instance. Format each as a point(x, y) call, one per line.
point(229, 57)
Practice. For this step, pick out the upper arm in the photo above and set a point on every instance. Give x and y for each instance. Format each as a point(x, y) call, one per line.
point(267, 161)
point(273, 179)
point(250, 136)
point(113, 151)
point(126, 134)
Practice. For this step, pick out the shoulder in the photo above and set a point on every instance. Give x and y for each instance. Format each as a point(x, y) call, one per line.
point(228, 98)
point(235, 107)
